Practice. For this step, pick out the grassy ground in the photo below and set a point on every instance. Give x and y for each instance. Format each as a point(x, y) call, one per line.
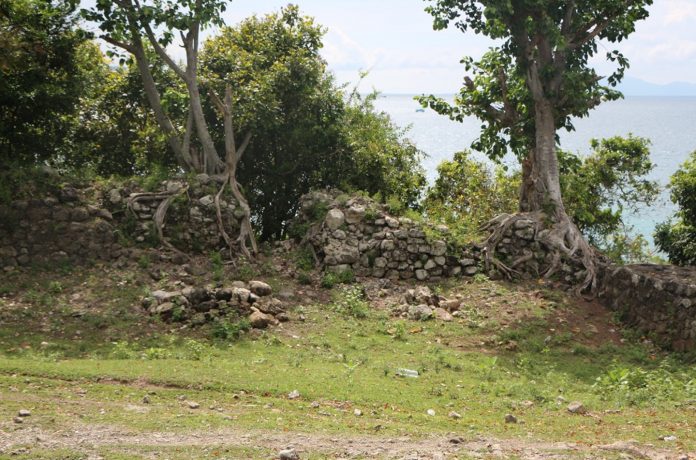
point(103, 381)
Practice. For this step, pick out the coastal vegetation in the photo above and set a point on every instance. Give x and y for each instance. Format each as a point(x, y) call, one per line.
point(225, 253)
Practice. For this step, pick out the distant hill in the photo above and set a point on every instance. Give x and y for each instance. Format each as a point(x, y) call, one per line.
point(636, 87)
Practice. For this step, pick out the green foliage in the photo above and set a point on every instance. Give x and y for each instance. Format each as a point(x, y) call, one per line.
point(217, 265)
point(677, 237)
point(640, 387)
point(304, 259)
point(231, 330)
point(350, 301)
point(598, 190)
point(612, 179)
point(383, 159)
point(308, 133)
point(144, 261)
point(115, 133)
point(332, 279)
point(246, 271)
point(39, 82)
point(304, 278)
point(466, 194)
point(537, 77)
point(55, 287)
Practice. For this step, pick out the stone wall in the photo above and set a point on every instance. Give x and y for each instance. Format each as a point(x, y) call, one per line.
point(358, 234)
point(73, 225)
point(658, 300)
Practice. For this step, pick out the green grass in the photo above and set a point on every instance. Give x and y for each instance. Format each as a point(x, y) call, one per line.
point(343, 362)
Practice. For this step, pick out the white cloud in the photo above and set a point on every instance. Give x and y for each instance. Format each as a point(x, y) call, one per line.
point(679, 11)
point(341, 51)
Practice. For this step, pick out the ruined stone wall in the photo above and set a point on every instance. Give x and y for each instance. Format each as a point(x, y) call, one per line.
point(73, 225)
point(358, 234)
point(658, 300)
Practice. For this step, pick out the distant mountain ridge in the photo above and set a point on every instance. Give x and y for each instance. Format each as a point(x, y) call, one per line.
point(636, 87)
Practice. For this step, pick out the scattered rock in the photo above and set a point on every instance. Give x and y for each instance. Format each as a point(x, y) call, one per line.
point(18, 420)
point(577, 407)
point(260, 288)
point(407, 373)
point(509, 418)
point(192, 405)
point(315, 404)
point(431, 412)
point(454, 415)
point(451, 305)
point(420, 312)
point(288, 454)
point(294, 394)
point(443, 315)
point(357, 413)
point(23, 413)
point(259, 320)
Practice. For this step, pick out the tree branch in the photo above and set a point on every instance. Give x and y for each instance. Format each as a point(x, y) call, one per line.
point(242, 148)
point(123, 45)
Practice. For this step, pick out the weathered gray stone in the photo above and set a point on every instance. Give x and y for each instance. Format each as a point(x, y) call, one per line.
point(260, 288)
point(334, 219)
point(420, 312)
point(439, 248)
point(355, 214)
point(391, 222)
point(442, 315)
point(260, 320)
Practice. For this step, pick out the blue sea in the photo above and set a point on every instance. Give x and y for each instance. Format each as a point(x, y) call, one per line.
point(669, 123)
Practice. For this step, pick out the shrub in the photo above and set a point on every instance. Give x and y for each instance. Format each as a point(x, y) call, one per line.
point(350, 301)
point(231, 330)
point(218, 267)
point(332, 279)
point(677, 237)
point(637, 386)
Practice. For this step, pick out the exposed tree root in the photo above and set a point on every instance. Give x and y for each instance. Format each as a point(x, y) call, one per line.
point(561, 239)
point(245, 231)
point(166, 199)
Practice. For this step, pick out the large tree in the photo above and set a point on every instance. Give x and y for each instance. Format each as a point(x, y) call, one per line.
point(532, 84)
point(136, 25)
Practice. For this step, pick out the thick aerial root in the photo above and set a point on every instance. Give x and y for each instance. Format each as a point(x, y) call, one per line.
point(166, 199)
point(245, 230)
point(498, 227)
point(562, 240)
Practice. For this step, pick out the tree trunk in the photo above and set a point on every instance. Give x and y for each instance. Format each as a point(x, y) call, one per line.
point(153, 97)
point(541, 186)
point(213, 163)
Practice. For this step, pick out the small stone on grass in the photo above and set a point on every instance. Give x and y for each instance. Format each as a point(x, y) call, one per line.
point(577, 407)
point(509, 418)
point(288, 454)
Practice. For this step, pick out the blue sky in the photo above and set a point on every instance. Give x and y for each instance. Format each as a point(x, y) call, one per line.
point(395, 40)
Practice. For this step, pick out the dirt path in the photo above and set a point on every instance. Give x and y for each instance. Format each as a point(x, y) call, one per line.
point(89, 438)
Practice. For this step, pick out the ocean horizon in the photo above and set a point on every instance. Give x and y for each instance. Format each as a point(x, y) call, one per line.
point(667, 121)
